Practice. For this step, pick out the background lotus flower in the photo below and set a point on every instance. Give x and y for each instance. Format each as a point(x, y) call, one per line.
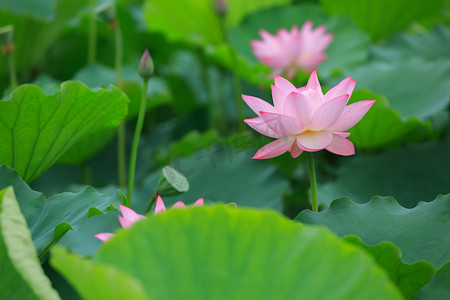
point(129, 216)
point(288, 52)
point(305, 119)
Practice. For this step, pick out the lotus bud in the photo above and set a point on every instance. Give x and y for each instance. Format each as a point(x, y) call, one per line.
point(108, 13)
point(146, 67)
point(221, 7)
point(6, 38)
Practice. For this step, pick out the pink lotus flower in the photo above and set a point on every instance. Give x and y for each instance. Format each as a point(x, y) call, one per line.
point(305, 119)
point(130, 216)
point(288, 52)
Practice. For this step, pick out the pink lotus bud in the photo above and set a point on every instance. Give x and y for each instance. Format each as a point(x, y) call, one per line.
point(221, 7)
point(146, 67)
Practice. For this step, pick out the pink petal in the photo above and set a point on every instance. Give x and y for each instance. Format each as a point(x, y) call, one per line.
point(179, 204)
point(278, 97)
point(130, 214)
point(264, 34)
point(351, 115)
point(274, 148)
point(259, 125)
point(346, 86)
point(284, 85)
point(199, 202)
point(341, 146)
point(275, 60)
point(315, 99)
point(257, 105)
point(314, 140)
point(323, 41)
point(295, 150)
point(300, 107)
point(160, 207)
point(343, 134)
point(313, 84)
point(282, 124)
point(104, 236)
point(328, 113)
point(292, 47)
point(307, 26)
point(125, 223)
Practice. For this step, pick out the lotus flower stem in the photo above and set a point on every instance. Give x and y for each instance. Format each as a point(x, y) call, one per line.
point(92, 38)
point(313, 182)
point(134, 147)
point(151, 202)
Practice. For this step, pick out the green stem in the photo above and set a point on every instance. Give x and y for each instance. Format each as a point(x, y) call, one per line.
point(134, 147)
point(312, 179)
point(12, 70)
point(121, 137)
point(150, 203)
point(236, 80)
point(92, 38)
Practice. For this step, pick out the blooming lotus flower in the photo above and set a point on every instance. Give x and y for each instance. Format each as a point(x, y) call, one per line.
point(288, 52)
point(304, 119)
point(129, 216)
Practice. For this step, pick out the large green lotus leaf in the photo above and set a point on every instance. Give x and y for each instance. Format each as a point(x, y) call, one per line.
point(36, 129)
point(349, 48)
point(225, 253)
point(32, 37)
point(414, 87)
point(410, 174)
point(22, 276)
point(438, 287)
point(409, 278)
point(430, 45)
point(383, 126)
point(421, 233)
point(87, 147)
point(49, 219)
point(96, 281)
point(382, 18)
point(195, 21)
